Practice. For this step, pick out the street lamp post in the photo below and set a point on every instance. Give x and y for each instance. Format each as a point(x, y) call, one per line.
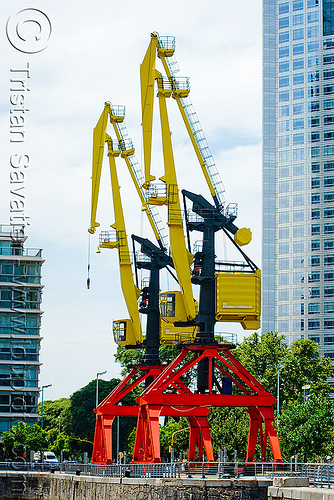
point(305, 389)
point(278, 369)
point(97, 387)
point(43, 387)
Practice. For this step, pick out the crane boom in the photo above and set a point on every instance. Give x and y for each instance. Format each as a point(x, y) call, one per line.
point(130, 291)
point(182, 258)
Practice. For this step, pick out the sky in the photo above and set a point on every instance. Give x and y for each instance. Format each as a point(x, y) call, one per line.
point(73, 56)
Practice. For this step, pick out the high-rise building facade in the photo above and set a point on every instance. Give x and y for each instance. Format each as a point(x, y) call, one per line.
point(20, 319)
point(298, 170)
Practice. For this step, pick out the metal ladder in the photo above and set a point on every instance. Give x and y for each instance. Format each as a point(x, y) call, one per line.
point(139, 176)
point(211, 168)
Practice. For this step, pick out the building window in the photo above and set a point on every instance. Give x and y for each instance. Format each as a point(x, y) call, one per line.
point(283, 248)
point(283, 51)
point(313, 46)
point(329, 260)
point(328, 213)
point(313, 16)
point(315, 214)
point(328, 44)
point(284, 202)
point(313, 106)
point(329, 104)
point(283, 310)
point(283, 294)
point(314, 261)
point(298, 109)
point(284, 171)
point(298, 19)
point(298, 139)
point(298, 79)
point(284, 96)
point(284, 233)
point(297, 5)
point(283, 279)
point(314, 338)
point(298, 293)
point(315, 167)
point(315, 183)
point(298, 278)
point(328, 228)
point(328, 59)
point(315, 198)
point(328, 74)
point(328, 325)
point(284, 111)
point(314, 91)
point(313, 324)
point(329, 197)
point(328, 150)
point(283, 8)
point(328, 166)
point(315, 245)
point(298, 262)
point(284, 126)
point(298, 49)
point(328, 119)
point(298, 34)
point(314, 137)
point(313, 277)
point(328, 180)
point(329, 244)
point(298, 123)
point(283, 325)
point(298, 169)
point(283, 264)
point(283, 37)
point(298, 231)
point(328, 10)
point(313, 61)
point(328, 276)
point(328, 307)
point(284, 81)
point(283, 141)
point(328, 339)
point(329, 135)
point(283, 156)
point(314, 308)
point(312, 31)
point(283, 66)
point(315, 229)
point(283, 217)
point(298, 64)
point(298, 246)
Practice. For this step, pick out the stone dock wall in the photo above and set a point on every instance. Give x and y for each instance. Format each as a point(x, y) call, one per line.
point(34, 485)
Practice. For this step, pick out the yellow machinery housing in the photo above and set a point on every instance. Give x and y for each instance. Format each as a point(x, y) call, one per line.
point(238, 298)
point(172, 311)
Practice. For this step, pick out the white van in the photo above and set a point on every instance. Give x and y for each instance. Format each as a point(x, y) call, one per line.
point(49, 459)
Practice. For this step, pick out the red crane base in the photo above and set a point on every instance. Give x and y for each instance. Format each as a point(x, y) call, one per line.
point(168, 395)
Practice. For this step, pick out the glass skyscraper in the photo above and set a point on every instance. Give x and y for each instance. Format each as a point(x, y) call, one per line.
point(298, 170)
point(20, 319)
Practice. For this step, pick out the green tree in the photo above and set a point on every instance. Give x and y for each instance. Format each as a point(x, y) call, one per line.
point(229, 427)
point(261, 354)
point(307, 427)
point(22, 438)
point(82, 417)
point(176, 430)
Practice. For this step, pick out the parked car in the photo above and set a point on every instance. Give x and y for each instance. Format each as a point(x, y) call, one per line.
point(48, 460)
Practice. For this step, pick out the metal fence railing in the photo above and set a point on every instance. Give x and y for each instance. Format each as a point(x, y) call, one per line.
point(319, 474)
